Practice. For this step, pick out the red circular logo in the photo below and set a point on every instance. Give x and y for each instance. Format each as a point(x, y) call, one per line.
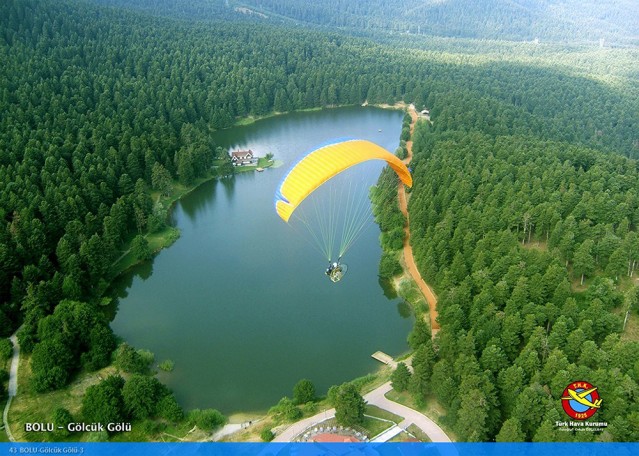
point(580, 400)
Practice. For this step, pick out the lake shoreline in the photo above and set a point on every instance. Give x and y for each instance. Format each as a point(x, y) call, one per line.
point(169, 235)
point(94, 378)
point(249, 120)
point(252, 197)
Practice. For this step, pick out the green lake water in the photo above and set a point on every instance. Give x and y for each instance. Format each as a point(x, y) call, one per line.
point(240, 302)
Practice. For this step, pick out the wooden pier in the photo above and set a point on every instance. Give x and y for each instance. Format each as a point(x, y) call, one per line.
point(384, 358)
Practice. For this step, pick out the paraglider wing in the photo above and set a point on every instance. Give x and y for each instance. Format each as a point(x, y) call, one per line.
point(321, 164)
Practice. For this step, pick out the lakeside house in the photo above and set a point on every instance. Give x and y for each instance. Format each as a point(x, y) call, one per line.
point(424, 114)
point(243, 158)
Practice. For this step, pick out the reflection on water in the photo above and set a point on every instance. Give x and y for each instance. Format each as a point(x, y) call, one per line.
point(229, 184)
point(404, 309)
point(120, 287)
point(387, 287)
point(193, 206)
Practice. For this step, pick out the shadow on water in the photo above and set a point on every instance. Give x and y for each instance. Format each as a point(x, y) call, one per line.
point(198, 200)
point(404, 309)
point(229, 186)
point(119, 288)
point(387, 287)
point(171, 219)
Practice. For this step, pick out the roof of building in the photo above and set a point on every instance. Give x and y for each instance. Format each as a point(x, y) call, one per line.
point(332, 438)
point(242, 153)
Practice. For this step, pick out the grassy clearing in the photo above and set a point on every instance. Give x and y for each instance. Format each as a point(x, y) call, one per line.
point(252, 119)
point(143, 432)
point(432, 409)
point(632, 327)
point(157, 241)
point(417, 432)
point(625, 285)
point(377, 412)
point(542, 246)
point(374, 426)
point(179, 190)
point(410, 292)
point(262, 162)
point(369, 382)
point(31, 407)
point(3, 434)
point(252, 433)
point(366, 384)
point(576, 284)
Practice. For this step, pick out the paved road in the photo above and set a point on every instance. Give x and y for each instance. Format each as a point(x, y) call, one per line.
point(297, 428)
point(15, 360)
point(377, 398)
point(13, 384)
point(388, 434)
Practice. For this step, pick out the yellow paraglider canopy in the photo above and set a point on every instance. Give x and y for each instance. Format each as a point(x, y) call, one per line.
point(323, 163)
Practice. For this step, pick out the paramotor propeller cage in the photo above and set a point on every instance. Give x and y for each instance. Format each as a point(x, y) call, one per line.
point(336, 271)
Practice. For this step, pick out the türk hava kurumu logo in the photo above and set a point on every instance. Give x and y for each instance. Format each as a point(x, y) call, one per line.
point(580, 400)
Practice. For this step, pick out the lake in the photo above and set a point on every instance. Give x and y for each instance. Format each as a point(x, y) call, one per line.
point(240, 302)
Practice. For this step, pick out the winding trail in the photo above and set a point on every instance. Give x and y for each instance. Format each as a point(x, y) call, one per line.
point(13, 384)
point(409, 259)
point(378, 398)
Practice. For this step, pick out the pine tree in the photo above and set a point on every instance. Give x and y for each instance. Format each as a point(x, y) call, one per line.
point(140, 248)
point(583, 262)
point(510, 431)
point(400, 377)
point(349, 405)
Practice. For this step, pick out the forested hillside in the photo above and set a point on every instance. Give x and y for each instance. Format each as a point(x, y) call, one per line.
point(198, 10)
point(103, 106)
point(548, 20)
point(527, 243)
point(96, 99)
point(532, 246)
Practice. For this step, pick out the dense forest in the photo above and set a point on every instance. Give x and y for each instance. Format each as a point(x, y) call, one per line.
point(547, 20)
point(532, 245)
point(198, 10)
point(614, 22)
point(103, 106)
point(507, 228)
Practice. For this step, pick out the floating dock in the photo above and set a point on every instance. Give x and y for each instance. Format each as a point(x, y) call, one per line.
point(384, 358)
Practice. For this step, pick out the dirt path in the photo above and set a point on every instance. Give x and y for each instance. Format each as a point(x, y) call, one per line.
point(408, 251)
point(13, 384)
